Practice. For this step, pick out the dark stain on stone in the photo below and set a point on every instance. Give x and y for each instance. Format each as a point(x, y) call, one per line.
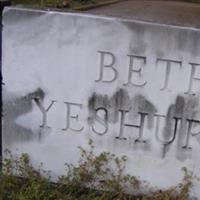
point(110, 104)
point(137, 44)
point(190, 111)
point(39, 93)
point(96, 101)
point(175, 110)
point(143, 105)
point(179, 107)
point(160, 37)
point(188, 41)
point(121, 100)
point(185, 107)
point(14, 108)
point(168, 128)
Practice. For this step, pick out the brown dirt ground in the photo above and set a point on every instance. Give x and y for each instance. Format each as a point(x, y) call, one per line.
point(159, 11)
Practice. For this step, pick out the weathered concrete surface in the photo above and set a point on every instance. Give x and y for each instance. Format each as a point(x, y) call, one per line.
point(133, 87)
point(165, 12)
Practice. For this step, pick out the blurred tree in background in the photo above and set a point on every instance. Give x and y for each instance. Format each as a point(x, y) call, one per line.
point(74, 4)
point(56, 3)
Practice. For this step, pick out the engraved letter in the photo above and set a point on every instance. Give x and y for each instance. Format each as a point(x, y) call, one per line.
point(103, 122)
point(69, 116)
point(140, 126)
point(107, 66)
point(121, 131)
point(192, 77)
point(168, 70)
point(166, 143)
point(189, 133)
point(44, 111)
point(138, 71)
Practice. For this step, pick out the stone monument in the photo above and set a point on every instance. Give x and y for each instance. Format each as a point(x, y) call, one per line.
point(133, 87)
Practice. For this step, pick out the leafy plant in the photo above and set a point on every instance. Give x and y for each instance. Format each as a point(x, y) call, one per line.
point(96, 177)
point(104, 172)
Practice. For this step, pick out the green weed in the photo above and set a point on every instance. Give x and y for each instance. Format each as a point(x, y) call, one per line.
point(96, 177)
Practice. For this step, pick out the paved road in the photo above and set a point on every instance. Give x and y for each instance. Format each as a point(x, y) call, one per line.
point(167, 12)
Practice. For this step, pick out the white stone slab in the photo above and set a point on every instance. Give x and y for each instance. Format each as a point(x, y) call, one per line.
point(132, 87)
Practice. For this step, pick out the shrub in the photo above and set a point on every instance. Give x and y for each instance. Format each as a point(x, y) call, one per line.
point(96, 177)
